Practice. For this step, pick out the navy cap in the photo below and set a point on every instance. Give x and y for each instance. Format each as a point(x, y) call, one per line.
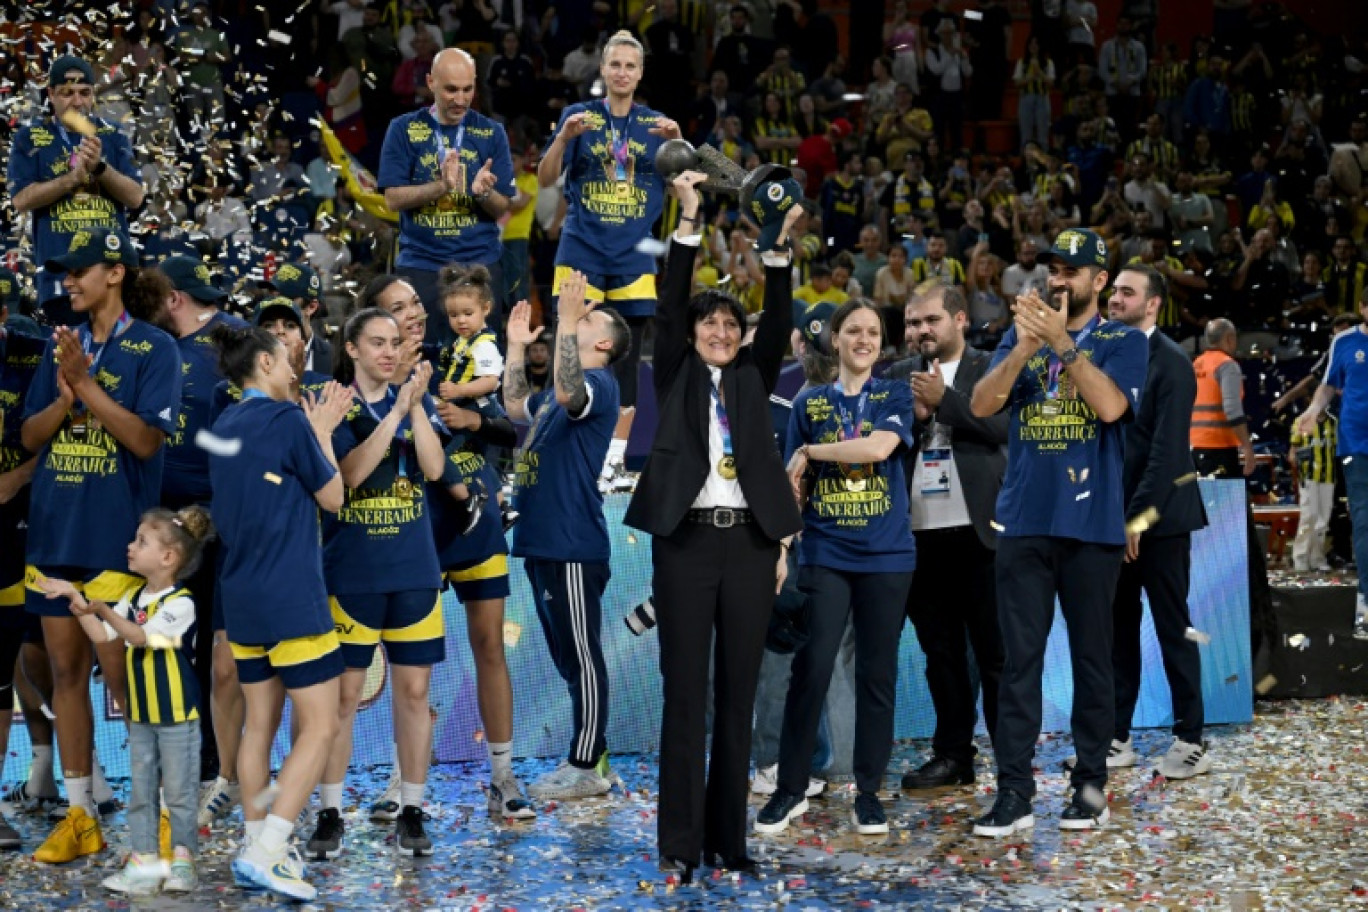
point(1077, 247)
point(277, 307)
point(191, 276)
point(9, 288)
point(296, 280)
point(769, 205)
point(96, 245)
point(70, 68)
point(816, 326)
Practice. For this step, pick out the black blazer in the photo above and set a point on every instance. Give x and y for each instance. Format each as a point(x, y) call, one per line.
point(979, 444)
point(1157, 447)
point(679, 462)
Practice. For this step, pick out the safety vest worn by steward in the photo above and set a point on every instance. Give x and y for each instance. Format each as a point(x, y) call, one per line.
point(1211, 429)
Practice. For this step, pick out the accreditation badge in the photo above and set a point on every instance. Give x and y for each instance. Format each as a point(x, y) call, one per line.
point(935, 471)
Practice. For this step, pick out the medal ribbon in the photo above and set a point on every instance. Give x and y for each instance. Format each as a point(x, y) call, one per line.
point(849, 428)
point(722, 423)
point(1057, 366)
point(399, 440)
point(87, 338)
point(254, 393)
point(442, 146)
point(618, 140)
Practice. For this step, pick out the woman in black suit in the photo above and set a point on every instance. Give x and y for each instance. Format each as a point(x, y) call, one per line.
point(716, 500)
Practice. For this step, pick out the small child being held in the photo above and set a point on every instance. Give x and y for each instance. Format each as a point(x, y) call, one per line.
point(470, 370)
point(157, 621)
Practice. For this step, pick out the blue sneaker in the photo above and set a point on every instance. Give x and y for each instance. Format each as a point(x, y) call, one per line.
point(283, 874)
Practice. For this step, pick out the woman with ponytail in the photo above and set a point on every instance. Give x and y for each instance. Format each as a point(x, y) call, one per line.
point(268, 488)
point(380, 565)
point(102, 403)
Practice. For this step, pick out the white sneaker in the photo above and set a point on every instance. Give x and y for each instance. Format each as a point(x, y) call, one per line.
point(282, 874)
point(568, 781)
point(1119, 756)
point(386, 808)
point(219, 800)
point(506, 800)
point(141, 876)
point(182, 878)
point(1185, 760)
point(767, 780)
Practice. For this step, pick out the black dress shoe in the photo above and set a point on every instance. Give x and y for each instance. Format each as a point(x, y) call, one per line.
point(741, 864)
point(939, 771)
point(677, 866)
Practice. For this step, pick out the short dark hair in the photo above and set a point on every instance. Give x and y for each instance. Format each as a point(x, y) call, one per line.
point(1156, 286)
point(619, 332)
point(710, 301)
point(819, 271)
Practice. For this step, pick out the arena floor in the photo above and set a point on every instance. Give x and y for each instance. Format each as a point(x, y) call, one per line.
point(1278, 824)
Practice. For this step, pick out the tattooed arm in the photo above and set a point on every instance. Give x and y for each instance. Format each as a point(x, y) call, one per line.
point(571, 392)
point(520, 334)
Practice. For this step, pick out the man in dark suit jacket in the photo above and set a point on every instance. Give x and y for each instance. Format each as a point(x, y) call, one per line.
point(1163, 509)
point(954, 473)
point(705, 116)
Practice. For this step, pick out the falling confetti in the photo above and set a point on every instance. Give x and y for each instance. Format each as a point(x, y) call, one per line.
point(220, 446)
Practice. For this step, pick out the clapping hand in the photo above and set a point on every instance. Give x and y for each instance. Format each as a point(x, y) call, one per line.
point(929, 387)
point(484, 179)
point(328, 407)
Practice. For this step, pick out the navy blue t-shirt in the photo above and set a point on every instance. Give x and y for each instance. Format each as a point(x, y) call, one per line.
point(381, 539)
point(42, 152)
point(186, 477)
point(1064, 465)
point(89, 491)
point(19, 357)
point(856, 515)
point(612, 204)
point(557, 475)
point(271, 579)
point(455, 228)
point(1348, 373)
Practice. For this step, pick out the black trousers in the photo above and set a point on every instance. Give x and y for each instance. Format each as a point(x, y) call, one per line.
point(876, 602)
point(953, 604)
point(1030, 572)
point(1162, 570)
point(569, 602)
point(714, 591)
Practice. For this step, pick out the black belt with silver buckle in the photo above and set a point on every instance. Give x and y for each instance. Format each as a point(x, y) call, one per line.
point(721, 517)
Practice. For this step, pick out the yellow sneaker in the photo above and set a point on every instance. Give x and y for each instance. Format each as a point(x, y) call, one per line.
point(164, 836)
point(78, 834)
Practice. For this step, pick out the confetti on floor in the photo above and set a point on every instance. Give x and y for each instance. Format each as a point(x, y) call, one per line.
point(1277, 824)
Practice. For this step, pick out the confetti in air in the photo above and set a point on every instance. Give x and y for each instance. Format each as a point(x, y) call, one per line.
point(651, 247)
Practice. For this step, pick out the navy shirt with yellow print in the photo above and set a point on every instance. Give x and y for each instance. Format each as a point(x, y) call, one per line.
point(42, 151)
point(91, 489)
point(381, 539)
point(454, 228)
point(1063, 463)
point(613, 191)
point(856, 515)
point(19, 358)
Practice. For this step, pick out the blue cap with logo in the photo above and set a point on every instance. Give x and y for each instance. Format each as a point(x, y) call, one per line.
point(191, 276)
point(816, 326)
point(277, 307)
point(90, 247)
point(1077, 247)
point(296, 280)
point(767, 195)
point(70, 68)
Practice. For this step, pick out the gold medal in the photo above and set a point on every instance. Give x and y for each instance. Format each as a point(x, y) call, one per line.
point(726, 467)
point(403, 487)
point(78, 427)
point(855, 484)
point(623, 188)
point(1050, 408)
